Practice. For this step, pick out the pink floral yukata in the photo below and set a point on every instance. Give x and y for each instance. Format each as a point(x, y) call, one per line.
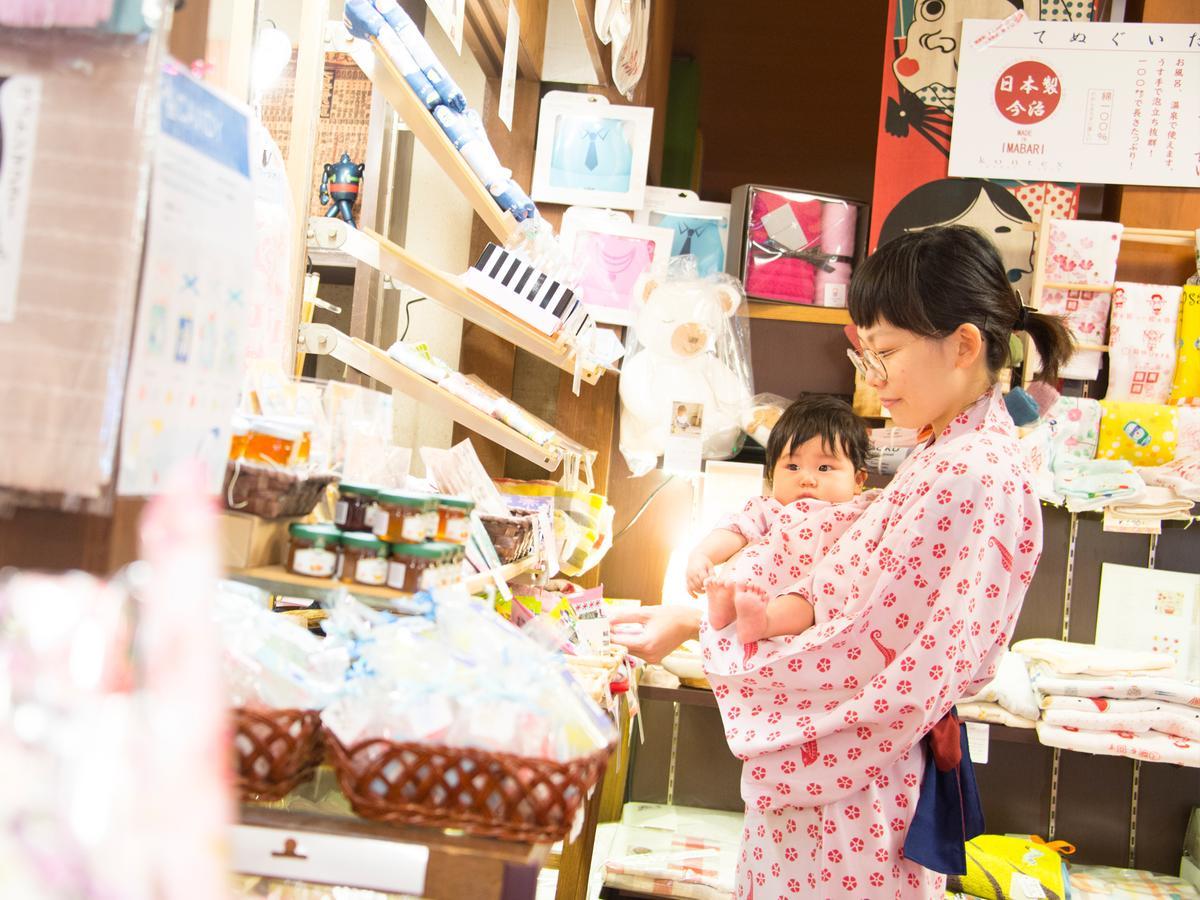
point(784, 540)
point(913, 606)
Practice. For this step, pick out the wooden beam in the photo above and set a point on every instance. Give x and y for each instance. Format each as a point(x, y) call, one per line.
point(600, 54)
point(486, 30)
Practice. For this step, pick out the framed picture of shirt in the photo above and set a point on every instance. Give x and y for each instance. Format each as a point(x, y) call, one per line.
point(591, 153)
point(699, 229)
point(611, 255)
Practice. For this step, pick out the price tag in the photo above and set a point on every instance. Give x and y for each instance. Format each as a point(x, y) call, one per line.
point(978, 735)
point(1131, 524)
point(1026, 886)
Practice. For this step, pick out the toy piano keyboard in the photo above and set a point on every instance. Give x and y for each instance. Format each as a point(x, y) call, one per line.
point(532, 296)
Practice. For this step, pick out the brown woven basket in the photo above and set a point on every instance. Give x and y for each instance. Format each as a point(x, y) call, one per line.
point(273, 493)
point(495, 795)
point(276, 750)
point(512, 536)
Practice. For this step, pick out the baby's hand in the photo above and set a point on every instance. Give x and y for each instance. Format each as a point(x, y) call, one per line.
point(699, 570)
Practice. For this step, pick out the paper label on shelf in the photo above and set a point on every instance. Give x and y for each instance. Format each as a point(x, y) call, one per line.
point(1131, 524)
point(318, 563)
point(835, 295)
point(20, 100)
point(449, 14)
point(396, 574)
point(359, 862)
point(978, 735)
point(508, 77)
point(371, 570)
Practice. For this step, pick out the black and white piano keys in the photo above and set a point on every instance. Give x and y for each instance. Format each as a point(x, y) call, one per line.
point(527, 293)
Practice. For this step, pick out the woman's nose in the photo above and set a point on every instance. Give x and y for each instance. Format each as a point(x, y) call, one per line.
point(874, 381)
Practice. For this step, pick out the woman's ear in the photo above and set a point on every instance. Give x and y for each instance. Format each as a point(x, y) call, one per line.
point(968, 345)
point(860, 479)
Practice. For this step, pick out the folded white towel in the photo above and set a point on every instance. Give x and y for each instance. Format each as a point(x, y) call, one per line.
point(1010, 688)
point(1124, 687)
point(1087, 659)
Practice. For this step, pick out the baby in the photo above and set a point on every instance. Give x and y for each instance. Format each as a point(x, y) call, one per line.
point(816, 460)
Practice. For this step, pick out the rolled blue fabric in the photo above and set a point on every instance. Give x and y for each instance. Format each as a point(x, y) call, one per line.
point(1022, 407)
point(514, 200)
point(406, 29)
point(365, 22)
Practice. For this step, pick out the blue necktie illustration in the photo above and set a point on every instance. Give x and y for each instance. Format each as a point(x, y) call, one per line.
point(592, 159)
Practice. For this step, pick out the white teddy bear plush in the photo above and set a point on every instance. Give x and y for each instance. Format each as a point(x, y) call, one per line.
point(677, 325)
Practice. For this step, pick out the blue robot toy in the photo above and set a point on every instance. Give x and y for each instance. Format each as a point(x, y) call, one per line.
point(340, 185)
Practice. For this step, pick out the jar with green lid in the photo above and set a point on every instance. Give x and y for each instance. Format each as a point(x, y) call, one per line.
point(313, 550)
point(454, 519)
point(414, 567)
point(364, 558)
point(354, 511)
point(402, 517)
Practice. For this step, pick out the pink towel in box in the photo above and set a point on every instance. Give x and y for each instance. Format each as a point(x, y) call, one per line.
point(783, 278)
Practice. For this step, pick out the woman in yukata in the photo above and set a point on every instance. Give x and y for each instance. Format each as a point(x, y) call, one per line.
point(913, 604)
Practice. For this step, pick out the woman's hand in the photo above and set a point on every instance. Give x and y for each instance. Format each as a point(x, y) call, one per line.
point(699, 570)
point(664, 628)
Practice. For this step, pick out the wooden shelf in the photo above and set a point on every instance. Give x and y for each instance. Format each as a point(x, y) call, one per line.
point(333, 236)
point(387, 78)
point(798, 312)
point(279, 581)
point(374, 363)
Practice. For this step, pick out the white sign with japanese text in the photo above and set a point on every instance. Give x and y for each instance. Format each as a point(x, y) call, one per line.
point(1101, 103)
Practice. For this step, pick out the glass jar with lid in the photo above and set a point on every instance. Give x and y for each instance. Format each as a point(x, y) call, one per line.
point(454, 519)
point(313, 550)
point(268, 441)
point(414, 567)
point(402, 517)
point(355, 507)
point(364, 558)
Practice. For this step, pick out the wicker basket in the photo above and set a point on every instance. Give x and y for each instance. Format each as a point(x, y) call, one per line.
point(273, 493)
point(276, 750)
point(495, 795)
point(512, 536)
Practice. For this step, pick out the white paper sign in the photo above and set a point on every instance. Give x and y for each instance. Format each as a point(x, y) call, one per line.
point(449, 14)
point(978, 735)
point(186, 366)
point(20, 99)
point(1151, 609)
point(508, 77)
point(1102, 103)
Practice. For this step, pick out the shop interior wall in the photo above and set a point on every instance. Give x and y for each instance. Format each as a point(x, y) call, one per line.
point(789, 96)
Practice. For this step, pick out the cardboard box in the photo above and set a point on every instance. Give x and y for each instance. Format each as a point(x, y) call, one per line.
point(248, 541)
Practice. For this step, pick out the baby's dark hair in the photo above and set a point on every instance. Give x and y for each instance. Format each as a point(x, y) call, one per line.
point(819, 415)
point(932, 281)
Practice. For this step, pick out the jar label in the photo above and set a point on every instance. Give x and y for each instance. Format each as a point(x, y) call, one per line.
point(340, 511)
point(318, 563)
point(380, 525)
point(396, 573)
point(458, 530)
point(371, 570)
point(414, 529)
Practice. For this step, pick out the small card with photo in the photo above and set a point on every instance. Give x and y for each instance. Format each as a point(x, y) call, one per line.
point(685, 439)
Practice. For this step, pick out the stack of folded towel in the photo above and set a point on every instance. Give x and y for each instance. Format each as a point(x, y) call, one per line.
point(1113, 702)
point(1008, 700)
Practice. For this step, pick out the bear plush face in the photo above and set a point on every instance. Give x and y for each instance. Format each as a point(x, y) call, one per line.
point(682, 318)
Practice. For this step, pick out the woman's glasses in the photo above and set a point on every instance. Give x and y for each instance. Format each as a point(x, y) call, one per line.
point(870, 364)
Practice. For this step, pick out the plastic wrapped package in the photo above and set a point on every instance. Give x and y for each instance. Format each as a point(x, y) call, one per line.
point(421, 53)
point(469, 679)
point(890, 447)
point(63, 363)
point(689, 344)
point(796, 247)
point(760, 417)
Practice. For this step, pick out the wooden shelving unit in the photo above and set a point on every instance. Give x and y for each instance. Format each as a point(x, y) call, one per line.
point(798, 312)
point(374, 363)
point(388, 80)
point(279, 581)
point(333, 236)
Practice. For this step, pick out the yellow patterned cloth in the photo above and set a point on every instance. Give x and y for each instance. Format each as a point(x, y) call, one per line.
point(1186, 389)
point(1144, 434)
point(1001, 867)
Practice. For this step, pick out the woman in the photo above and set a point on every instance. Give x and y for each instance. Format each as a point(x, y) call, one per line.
point(913, 605)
